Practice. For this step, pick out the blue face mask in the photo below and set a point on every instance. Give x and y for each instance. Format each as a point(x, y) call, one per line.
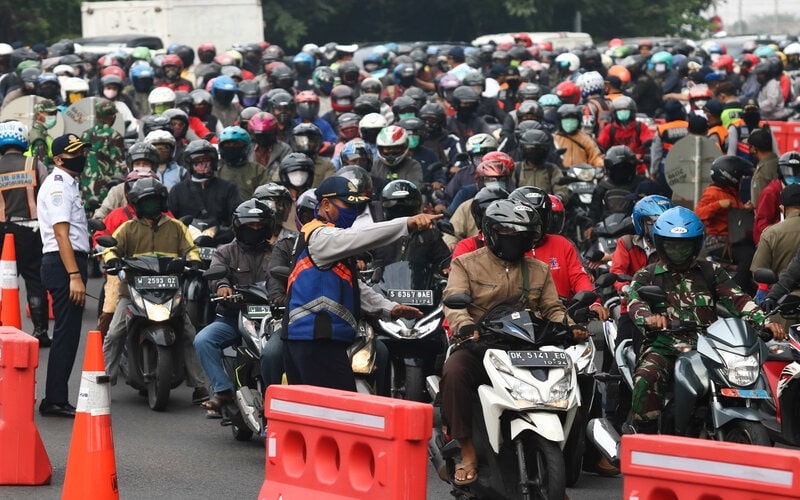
point(347, 216)
point(623, 115)
point(791, 180)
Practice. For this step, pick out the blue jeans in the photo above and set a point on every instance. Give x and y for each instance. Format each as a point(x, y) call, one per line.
point(209, 343)
point(272, 360)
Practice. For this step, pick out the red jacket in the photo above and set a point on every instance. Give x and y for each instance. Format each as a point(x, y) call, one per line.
point(627, 261)
point(768, 210)
point(566, 268)
point(714, 217)
point(633, 135)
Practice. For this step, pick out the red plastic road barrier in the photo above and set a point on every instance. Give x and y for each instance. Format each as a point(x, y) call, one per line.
point(9, 308)
point(23, 458)
point(91, 466)
point(671, 468)
point(326, 444)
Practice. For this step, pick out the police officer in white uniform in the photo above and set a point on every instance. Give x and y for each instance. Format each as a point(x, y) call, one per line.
point(65, 241)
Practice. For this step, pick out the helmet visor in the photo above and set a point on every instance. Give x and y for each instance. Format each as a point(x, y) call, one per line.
point(679, 251)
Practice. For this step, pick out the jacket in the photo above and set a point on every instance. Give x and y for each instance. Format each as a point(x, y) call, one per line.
point(714, 217)
point(766, 172)
point(666, 136)
point(544, 177)
point(20, 178)
point(580, 148)
point(409, 169)
point(566, 268)
point(768, 210)
point(777, 250)
point(216, 197)
point(247, 177)
point(634, 135)
point(245, 267)
point(629, 256)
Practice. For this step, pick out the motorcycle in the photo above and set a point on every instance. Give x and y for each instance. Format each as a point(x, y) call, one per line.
point(606, 233)
point(523, 416)
point(581, 180)
point(152, 360)
point(414, 344)
point(717, 388)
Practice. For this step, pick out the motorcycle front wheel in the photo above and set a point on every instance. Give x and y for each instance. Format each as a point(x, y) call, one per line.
point(747, 432)
point(158, 374)
point(544, 463)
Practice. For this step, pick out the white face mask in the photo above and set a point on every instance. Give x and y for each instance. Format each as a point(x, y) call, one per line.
point(110, 93)
point(297, 178)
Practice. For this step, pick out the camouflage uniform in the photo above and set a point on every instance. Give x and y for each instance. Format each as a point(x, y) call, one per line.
point(106, 157)
point(39, 138)
point(689, 299)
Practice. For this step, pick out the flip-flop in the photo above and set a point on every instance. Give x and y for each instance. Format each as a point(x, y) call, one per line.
point(214, 404)
point(471, 468)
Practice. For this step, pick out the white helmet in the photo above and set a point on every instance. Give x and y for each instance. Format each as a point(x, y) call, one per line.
point(64, 70)
point(480, 144)
point(792, 49)
point(392, 145)
point(311, 48)
point(590, 82)
point(568, 59)
point(160, 137)
point(161, 96)
point(372, 121)
point(74, 85)
point(6, 49)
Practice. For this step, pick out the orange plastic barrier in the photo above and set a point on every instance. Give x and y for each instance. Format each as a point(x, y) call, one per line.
point(781, 131)
point(91, 466)
point(9, 308)
point(23, 459)
point(792, 137)
point(671, 468)
point(326, 444)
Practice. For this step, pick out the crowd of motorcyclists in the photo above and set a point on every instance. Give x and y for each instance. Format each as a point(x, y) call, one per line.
point(283, 150)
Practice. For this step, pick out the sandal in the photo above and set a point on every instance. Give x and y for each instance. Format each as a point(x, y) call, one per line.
point(471, 476)
point(215, 403)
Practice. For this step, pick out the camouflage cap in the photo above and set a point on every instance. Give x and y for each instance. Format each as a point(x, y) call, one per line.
point(104, 108)
point(45, 106)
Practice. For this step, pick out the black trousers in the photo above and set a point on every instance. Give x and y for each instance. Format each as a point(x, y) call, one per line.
point(67, 330)
point(322, 363)
point(28, 249)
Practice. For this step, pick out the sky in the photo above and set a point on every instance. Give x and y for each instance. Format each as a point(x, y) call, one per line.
point(729, 9)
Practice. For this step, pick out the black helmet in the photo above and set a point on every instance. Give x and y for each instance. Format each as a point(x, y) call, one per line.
point(278, 196)
point(475, 79)
point(539, 200)
point(511, 228)
point(111, 80)
point(400, 198)
point(789, 167)
point(348, 73)
point(465, 97)
point(569, 111)
point(155, 122)
point(253, 211)
point(620, 164)
point(535, 145)
point(200, 97)
point(142, 151)
point(482, 199)
point(132, 177)
point(305, 208)
point(419, 96)
point(184, 101)
point(359, 177)
point(366, 104)
point(726, 171)
point(529, 92)
point(404, 104)
point(434, 116)
point(297, 170)
point(306, 138)
point(198, 149)
point(530, 110)
point(148, 197)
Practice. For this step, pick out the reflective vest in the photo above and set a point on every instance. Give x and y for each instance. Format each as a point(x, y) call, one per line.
point(743, 146)
point(672, 132)
point(18, 183)
point(721, 133)
point(322, 303)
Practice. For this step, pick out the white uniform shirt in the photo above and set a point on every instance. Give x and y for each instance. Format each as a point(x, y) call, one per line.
point(60, 200)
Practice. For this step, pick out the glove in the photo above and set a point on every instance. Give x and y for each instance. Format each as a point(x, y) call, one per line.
point(465, 331)
point(114, 266)
point(768, 305)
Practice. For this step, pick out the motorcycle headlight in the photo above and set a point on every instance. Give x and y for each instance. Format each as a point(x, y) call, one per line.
point(159, 312)
point(137, 299)
point(559, 391)
point(740, 370)
point(584, 174)
point(394, 328)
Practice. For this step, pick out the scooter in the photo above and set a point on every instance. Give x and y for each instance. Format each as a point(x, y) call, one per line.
point(581, 180)
point(523, 416)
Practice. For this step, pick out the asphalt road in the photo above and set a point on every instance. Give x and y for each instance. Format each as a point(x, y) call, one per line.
point(179, 454)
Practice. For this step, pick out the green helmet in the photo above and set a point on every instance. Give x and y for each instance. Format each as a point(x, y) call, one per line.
point(141, 54)
point(662, 57)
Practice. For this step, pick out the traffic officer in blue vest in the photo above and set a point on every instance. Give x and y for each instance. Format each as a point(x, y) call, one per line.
point(324, 299)
point(20, 178)
point(65, 246)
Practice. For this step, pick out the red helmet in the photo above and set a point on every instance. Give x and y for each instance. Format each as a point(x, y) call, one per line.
point(557, 216)
point(113, 70)
point(615, 42)
point(342, 99)
point(700, 91)
point(262, 123)
point(724, 62)
point(499, 156)
point(490, 169)
point(568, 92)
point(172, 60)
point(207, 47)
point(523, 37)
point(545, 46)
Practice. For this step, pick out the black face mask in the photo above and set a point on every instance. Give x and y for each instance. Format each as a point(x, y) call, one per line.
point(235, 157)
point(74, 164)
point(149, 207)
point(223, 97)
point(535, 156)
point(622, 174)
point(266, 140)
point(466, 114)
point(253, 238)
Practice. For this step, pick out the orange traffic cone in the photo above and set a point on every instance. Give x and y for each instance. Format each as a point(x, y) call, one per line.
point(9, 308)
point(91, 467)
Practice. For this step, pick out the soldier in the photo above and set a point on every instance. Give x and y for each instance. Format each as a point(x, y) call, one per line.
point(694, 287)
point(107, 154)
point(41, 143)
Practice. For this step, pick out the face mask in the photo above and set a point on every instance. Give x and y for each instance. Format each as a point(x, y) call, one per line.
point(495, 183)
point(110, 93)
point(160, 108)
point(74, 164)
point(171, 74)
point(249, 101)
point(413, 141)
point(535, 156)
point(623, 115)
point(266, 140)
point(50, 122)
point(298, 178)
point(251, 237)
point(513, 84)
point(75, 97)
point(346, 218)
point(465, 114)
point(791, 180)
point(403, 116)
point(233, 156)
point(149, 207)
point(569, 125)
point(678, 253)
point(511, 247)
point(432, 129)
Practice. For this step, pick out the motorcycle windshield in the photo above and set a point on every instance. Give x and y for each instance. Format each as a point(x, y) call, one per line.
point(410, 283)
point(149, 264)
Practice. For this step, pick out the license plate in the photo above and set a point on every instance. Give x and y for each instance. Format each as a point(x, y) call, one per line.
point(412, 297)
point(745, 393)
point(156, 282)
point(207, 252)
point(257, 311)
point(582, 187)
point(538, 358)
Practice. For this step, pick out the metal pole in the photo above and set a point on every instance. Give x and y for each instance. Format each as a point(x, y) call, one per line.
point(697, 164)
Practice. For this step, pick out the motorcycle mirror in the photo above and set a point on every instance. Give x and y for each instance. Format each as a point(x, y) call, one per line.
point(186, 219)
point(204, 240)
point(215, 272)
point(605, 438)
point(766, 276)
point(97, 225)
point(624, 277)
point(107, 241)
point(92, 204)
point(446, 227)
point(280, 273)
point(457, 301)
point(563, 181)
point(652, 294)
point(583, 299)
point(605, 280)
point(596, 256)
point(789, 303)
point(175, 266)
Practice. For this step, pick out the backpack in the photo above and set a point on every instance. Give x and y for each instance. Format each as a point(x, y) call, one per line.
point(706, 268)
point(637, 127)
point(602, 113)
point(618, 201)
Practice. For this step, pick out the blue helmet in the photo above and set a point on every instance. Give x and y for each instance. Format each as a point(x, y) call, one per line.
point(650, 206)
point(304, 64)
point(679, 236)
point(13, 134)
point(223, 82)
point(549, 100)
point(356, 152)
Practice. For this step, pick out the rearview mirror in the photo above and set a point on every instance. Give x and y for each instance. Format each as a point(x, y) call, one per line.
point(652, 294)
point(457, 301)
point(96, 225)
point(605, 280)
point(107, 241)
point(765, 276)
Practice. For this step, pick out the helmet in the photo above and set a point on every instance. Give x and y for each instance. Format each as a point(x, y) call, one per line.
point(206, 52)
point(178, 129)
point(348, 73)
point(726, 171)
point(530, 110)
point(568, 61)
point(404, 105)
point(366, 104)
point(348, 125)
point(307, 104)
point(342, 98)
point(415, 129)
point(447, 84)
point(303, 64)
point(404, 74)
point(305, 208)
point(234, 145)
point(262, 123)
point(161, 99)
point(323, 78)
point(649, 207)
point(375, 62)
point(142, 151)
point(156, 122)
point(591, 83)
point(763, 51)
point(679, 235)
point(620, 72)
point(529, 92)
point(789, 167)
point(232, 71)
point(392, 144)
point(132, 177)
point(111, 80)
point(568, 92)
point(499, 156)
point(172, 60)
point(660, 62)
point(510, 229)
point(569, 111)
point(539, 200)
point(550, 101)
point(306, 138)
point(465, 98)
point(725, 62)
point(201, 97)
point(359, 177)
point(356, 152)
point(13, 134)
point(277, 196)
point(74, 89)
point(557, 216)
point(434, 116)
point(197, 150)
point(370, 126)
point(223, 89)
point(480, 144)
point(792, 49)
point(249, 212)
point(622, 104)
point(148, 197)
point(620, 164)
point(161, 137)
point(297, 170)
point(371, 86)
point(400, 198)
point(497, 170)
point(420, 96)
point(476, 80)
point(535, 145)
point(482, 199)
point(281, 104)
